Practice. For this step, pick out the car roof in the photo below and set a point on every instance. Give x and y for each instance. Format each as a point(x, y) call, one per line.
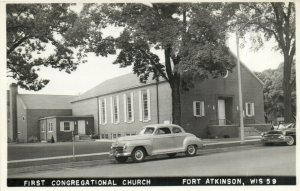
point(162, 125)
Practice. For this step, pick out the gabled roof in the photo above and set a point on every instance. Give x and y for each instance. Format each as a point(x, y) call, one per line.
point(119, 83)
point(128, 81)
point(38, 101)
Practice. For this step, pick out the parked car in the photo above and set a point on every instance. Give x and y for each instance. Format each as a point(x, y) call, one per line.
point(283, 133)
point(154, 140)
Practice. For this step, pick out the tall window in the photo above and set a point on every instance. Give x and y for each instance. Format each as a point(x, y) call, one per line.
point(115, 109)
point(198, 108)
point(128, 107)
point(102, 111)
point(67, 126)
point(50, 127)
point(144, 100)
point(249, 109)
point(43, 127)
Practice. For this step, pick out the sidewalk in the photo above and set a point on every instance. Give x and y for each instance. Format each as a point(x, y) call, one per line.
point(90, 151)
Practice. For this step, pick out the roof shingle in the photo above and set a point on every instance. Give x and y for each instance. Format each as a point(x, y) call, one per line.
point(38, 101)
point(119, 83)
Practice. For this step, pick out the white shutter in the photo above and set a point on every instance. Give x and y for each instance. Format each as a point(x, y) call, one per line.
point(125, 108)
point(132, 111)
point(105, 112)
point(252, 109)
point(111, 110)
point(71, 125)
point(118, 110)
point(246, 108)
point(194, 108)
point(202, 109)
point(100, 111)
point(140, 106)
point(149, 103)
point(61, 126)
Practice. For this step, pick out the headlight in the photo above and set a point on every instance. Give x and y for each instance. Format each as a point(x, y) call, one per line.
point(124, 147)
point(262, 134)
point(281, 137)
point(284, 133)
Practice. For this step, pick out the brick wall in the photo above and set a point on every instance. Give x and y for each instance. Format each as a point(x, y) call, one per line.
point(89, 107)
point(210, 91)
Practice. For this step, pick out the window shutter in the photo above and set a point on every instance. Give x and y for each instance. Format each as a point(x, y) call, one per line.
point(202, 109)
point(125, 108)
point(252, 109)
point(194, 108)
point(100, 111)
point(105, 111)
point(149, 103)
point(111, 110)
point(140, 106)
point(118, 110)
point(61, 126)
point(246, 108)
point(132, 111)
point(71, 125)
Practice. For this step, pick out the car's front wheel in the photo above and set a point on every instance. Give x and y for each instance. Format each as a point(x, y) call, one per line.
point(290, 141)
point(138, 154)
point(121, 159)
point(191, 150)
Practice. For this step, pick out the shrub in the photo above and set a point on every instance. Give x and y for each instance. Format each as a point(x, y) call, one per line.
point(32, 139)
point(52, 139)
point(95, 136)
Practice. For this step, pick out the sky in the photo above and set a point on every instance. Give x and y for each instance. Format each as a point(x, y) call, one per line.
point(99, 69)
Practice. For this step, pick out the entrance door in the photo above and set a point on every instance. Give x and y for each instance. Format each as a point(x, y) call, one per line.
point(221, 112)
point(81, 127)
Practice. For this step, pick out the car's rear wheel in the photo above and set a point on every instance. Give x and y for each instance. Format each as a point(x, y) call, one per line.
point(138, 154)
point(172, 154)
point(121, 159)
point(191, 150)
point(290, 141)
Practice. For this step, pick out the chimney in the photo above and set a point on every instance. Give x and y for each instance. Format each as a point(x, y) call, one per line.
point(13, 111)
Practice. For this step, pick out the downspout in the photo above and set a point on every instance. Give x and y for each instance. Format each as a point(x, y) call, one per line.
point(98, 117)
point(157, 100)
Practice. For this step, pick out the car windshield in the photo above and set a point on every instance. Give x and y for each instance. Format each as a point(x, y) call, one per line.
point(147, 131)
point(285, 126)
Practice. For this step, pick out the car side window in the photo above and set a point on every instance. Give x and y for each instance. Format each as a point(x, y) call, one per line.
point(162, 131)
point(176, 130)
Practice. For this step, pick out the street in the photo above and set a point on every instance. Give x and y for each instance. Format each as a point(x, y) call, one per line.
point(241, 161)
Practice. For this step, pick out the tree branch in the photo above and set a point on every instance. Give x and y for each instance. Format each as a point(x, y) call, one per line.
point(16, 45)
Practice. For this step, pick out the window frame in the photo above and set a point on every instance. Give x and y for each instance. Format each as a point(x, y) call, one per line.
point(115, 109)
point(145, 102)
point(65, 125)
point(201, 109)
point(102, 111)
point(128, 96)
point(251, 106)
point(50, 127)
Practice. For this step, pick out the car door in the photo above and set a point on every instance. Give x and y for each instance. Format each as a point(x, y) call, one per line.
point(162, 140)
point(178, 138)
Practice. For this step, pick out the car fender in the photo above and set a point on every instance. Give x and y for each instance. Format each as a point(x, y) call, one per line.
point(147, 144)
point(192, 140)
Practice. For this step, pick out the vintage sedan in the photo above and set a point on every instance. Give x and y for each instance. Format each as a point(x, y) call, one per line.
point(154, 140)
point(283, 133)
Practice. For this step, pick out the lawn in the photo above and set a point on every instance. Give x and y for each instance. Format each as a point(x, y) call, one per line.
point(41, 150)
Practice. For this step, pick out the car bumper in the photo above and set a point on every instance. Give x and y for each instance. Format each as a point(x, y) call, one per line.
point(274, 140)
point(117, 154)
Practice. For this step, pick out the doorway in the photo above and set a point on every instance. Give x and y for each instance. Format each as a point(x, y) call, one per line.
point(81, 127)
point(225, 111)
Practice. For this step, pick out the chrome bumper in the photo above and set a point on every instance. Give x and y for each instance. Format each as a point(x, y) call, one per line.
point(274, 140)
